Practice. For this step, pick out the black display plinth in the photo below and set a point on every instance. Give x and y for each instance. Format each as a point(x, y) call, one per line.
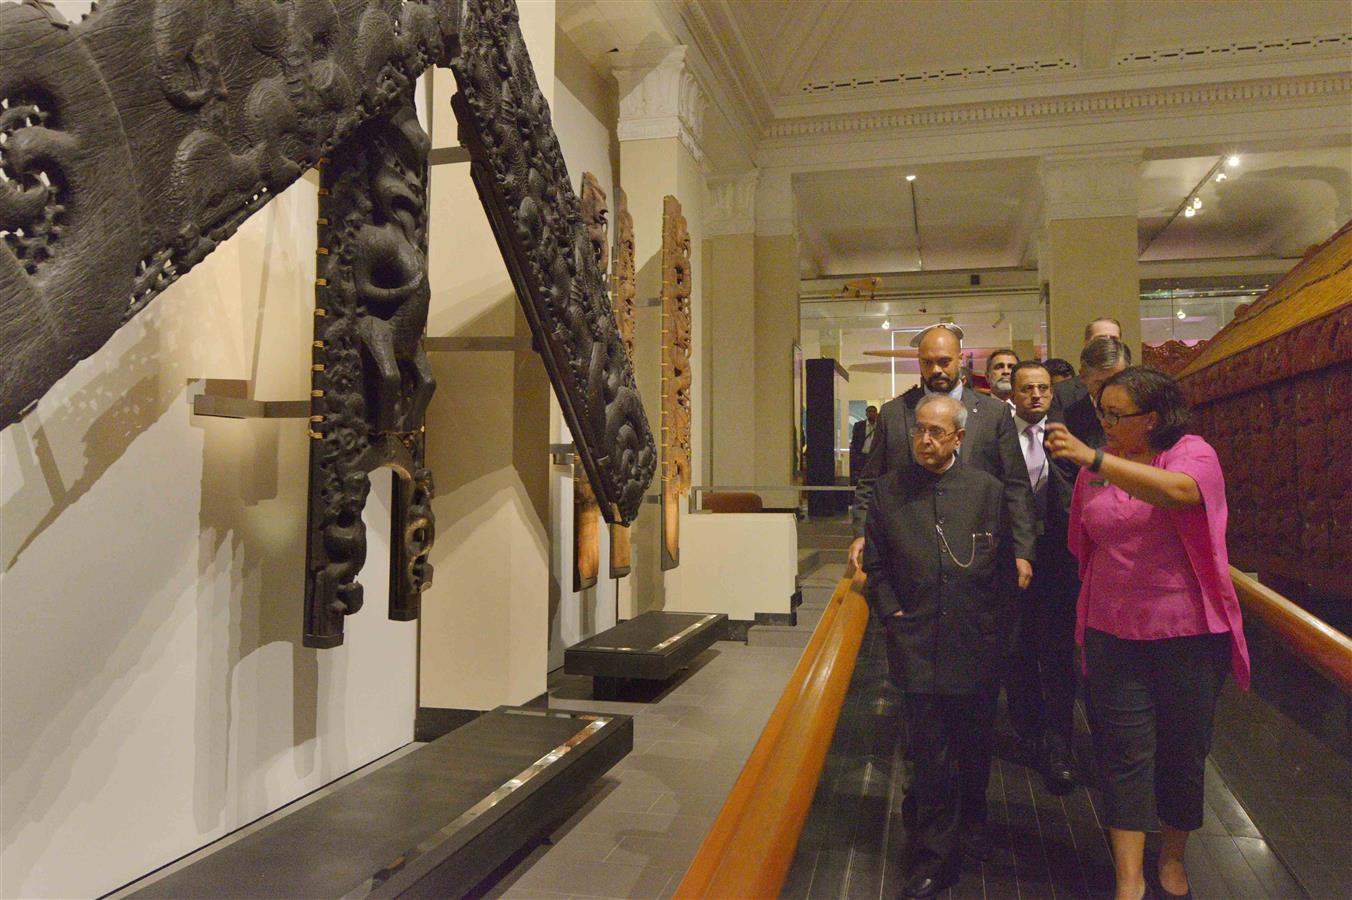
point(432, 823)
point(648, 648)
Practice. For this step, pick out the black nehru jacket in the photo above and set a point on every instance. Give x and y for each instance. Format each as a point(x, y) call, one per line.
point(991, 446)
point(957, 611)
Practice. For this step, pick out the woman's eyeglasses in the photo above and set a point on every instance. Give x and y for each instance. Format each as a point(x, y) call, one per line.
point(1110, 419)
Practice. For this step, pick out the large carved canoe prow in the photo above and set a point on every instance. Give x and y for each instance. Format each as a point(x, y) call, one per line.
point(1272, 392)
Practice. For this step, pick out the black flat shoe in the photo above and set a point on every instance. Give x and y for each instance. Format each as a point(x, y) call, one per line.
point(1058, 774)
point(921, 887)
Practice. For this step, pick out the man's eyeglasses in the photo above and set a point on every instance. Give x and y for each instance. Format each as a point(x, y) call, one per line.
point(1110, 419)
point(934, 433)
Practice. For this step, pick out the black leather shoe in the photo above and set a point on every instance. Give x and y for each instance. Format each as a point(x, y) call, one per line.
point(920, 886)
point(976, 842)
point(1058, 773)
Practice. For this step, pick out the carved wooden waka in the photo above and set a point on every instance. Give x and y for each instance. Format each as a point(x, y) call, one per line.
point(136, 141)
point(676, 376)
point(624, 296)
point(1272, 392)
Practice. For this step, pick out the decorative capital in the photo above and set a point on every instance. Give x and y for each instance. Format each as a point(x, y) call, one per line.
point(1089, 187)
point(730, 206)
point(660, 98)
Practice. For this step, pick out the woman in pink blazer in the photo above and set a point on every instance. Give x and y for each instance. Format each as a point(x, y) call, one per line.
point(1157, 617)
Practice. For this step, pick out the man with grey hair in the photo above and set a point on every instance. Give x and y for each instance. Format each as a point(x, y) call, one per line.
point(1101, 358)
point(939, 556)
point(991, 444)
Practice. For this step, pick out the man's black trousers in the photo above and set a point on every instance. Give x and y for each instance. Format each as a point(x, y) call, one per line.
point(949, 738)
point(1040, 679)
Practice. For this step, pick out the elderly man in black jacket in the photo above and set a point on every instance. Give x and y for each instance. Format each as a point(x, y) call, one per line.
point(939, 557)
point(991, 444)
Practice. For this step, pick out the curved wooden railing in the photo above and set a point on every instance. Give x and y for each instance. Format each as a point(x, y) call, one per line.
point(748, 850)
point(1323, 647)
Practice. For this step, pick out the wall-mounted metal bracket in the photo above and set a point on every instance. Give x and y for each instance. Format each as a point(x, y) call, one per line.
point(562, 454)
point(232, 405)
point(443, 155)
point(461, 344)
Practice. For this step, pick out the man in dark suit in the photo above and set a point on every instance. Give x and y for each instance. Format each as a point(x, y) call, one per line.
point(861, 442)
point(1075, 402)
point(1040, 681)
point(990, 444)
point(938, 557)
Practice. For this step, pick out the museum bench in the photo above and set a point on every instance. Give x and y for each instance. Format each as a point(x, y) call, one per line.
point(650, 648)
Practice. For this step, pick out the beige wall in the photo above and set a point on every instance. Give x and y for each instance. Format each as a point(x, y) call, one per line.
point(1093, 272)
point(730, 300)
point(650, 170)
point(156, 695)
point(485, 619)
point(776, 332)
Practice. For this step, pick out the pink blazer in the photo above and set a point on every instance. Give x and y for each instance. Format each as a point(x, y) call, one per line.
point(1200, 529)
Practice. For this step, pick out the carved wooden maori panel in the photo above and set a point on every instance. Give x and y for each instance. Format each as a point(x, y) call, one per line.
point(623, 296)
point(586, 511)
point(134, 142)
point(371, 377)
point(519, 171)
point(676, 375)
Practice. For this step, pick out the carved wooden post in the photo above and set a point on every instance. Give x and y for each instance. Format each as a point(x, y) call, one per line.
point(675, 376)
point(586, 510)
point(625, 290)
point(371, 379)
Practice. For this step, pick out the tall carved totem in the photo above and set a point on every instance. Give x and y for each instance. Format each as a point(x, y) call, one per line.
point(676, 376)
point(623, 296)
point(586, 511)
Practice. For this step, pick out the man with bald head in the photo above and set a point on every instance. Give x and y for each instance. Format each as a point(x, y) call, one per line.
point(939, 558)
point(990, 445)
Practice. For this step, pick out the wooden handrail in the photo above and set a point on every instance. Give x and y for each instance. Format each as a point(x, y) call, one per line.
point(1323, 647)
point(751, 844)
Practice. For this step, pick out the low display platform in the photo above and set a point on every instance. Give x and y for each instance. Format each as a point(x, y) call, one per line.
point(649, 648)
point(432, 823)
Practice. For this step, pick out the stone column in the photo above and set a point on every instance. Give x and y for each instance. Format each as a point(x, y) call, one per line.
point(730, 308)
point(660, 126)
point(776, 331)
point(1090, 210)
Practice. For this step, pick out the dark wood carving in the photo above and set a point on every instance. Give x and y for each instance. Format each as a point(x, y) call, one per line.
point(676, 375)
point(586, 511)
point(1272, 392)
point(1170, 356)
point(519, 171)
point(624, 294)
point(371, 378)
point(136, 141)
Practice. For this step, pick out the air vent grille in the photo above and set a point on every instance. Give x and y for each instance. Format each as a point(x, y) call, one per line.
point(941, 76)
point(1234, 50)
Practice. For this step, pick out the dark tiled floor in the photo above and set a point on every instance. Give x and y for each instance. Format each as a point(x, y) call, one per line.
point(1046, 846)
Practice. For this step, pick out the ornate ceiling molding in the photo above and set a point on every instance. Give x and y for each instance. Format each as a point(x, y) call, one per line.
point(730, 207)
point(660, 98)
point(1105, 105)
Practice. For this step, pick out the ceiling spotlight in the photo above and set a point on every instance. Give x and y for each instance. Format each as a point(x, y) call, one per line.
point(1181, 314)
point(910, 178)
point(1232, 160)
point(1189, 212)
point(1221, 176)
point(1196, 202)
point(887, 323)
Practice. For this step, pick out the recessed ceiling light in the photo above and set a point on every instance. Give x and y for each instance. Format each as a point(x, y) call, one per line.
point(1221, 176)
point(1189, 212)
point(1232, 160)
point(1196, 202)
point(1181, 314)
point(910, 178)
point(886, 324)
